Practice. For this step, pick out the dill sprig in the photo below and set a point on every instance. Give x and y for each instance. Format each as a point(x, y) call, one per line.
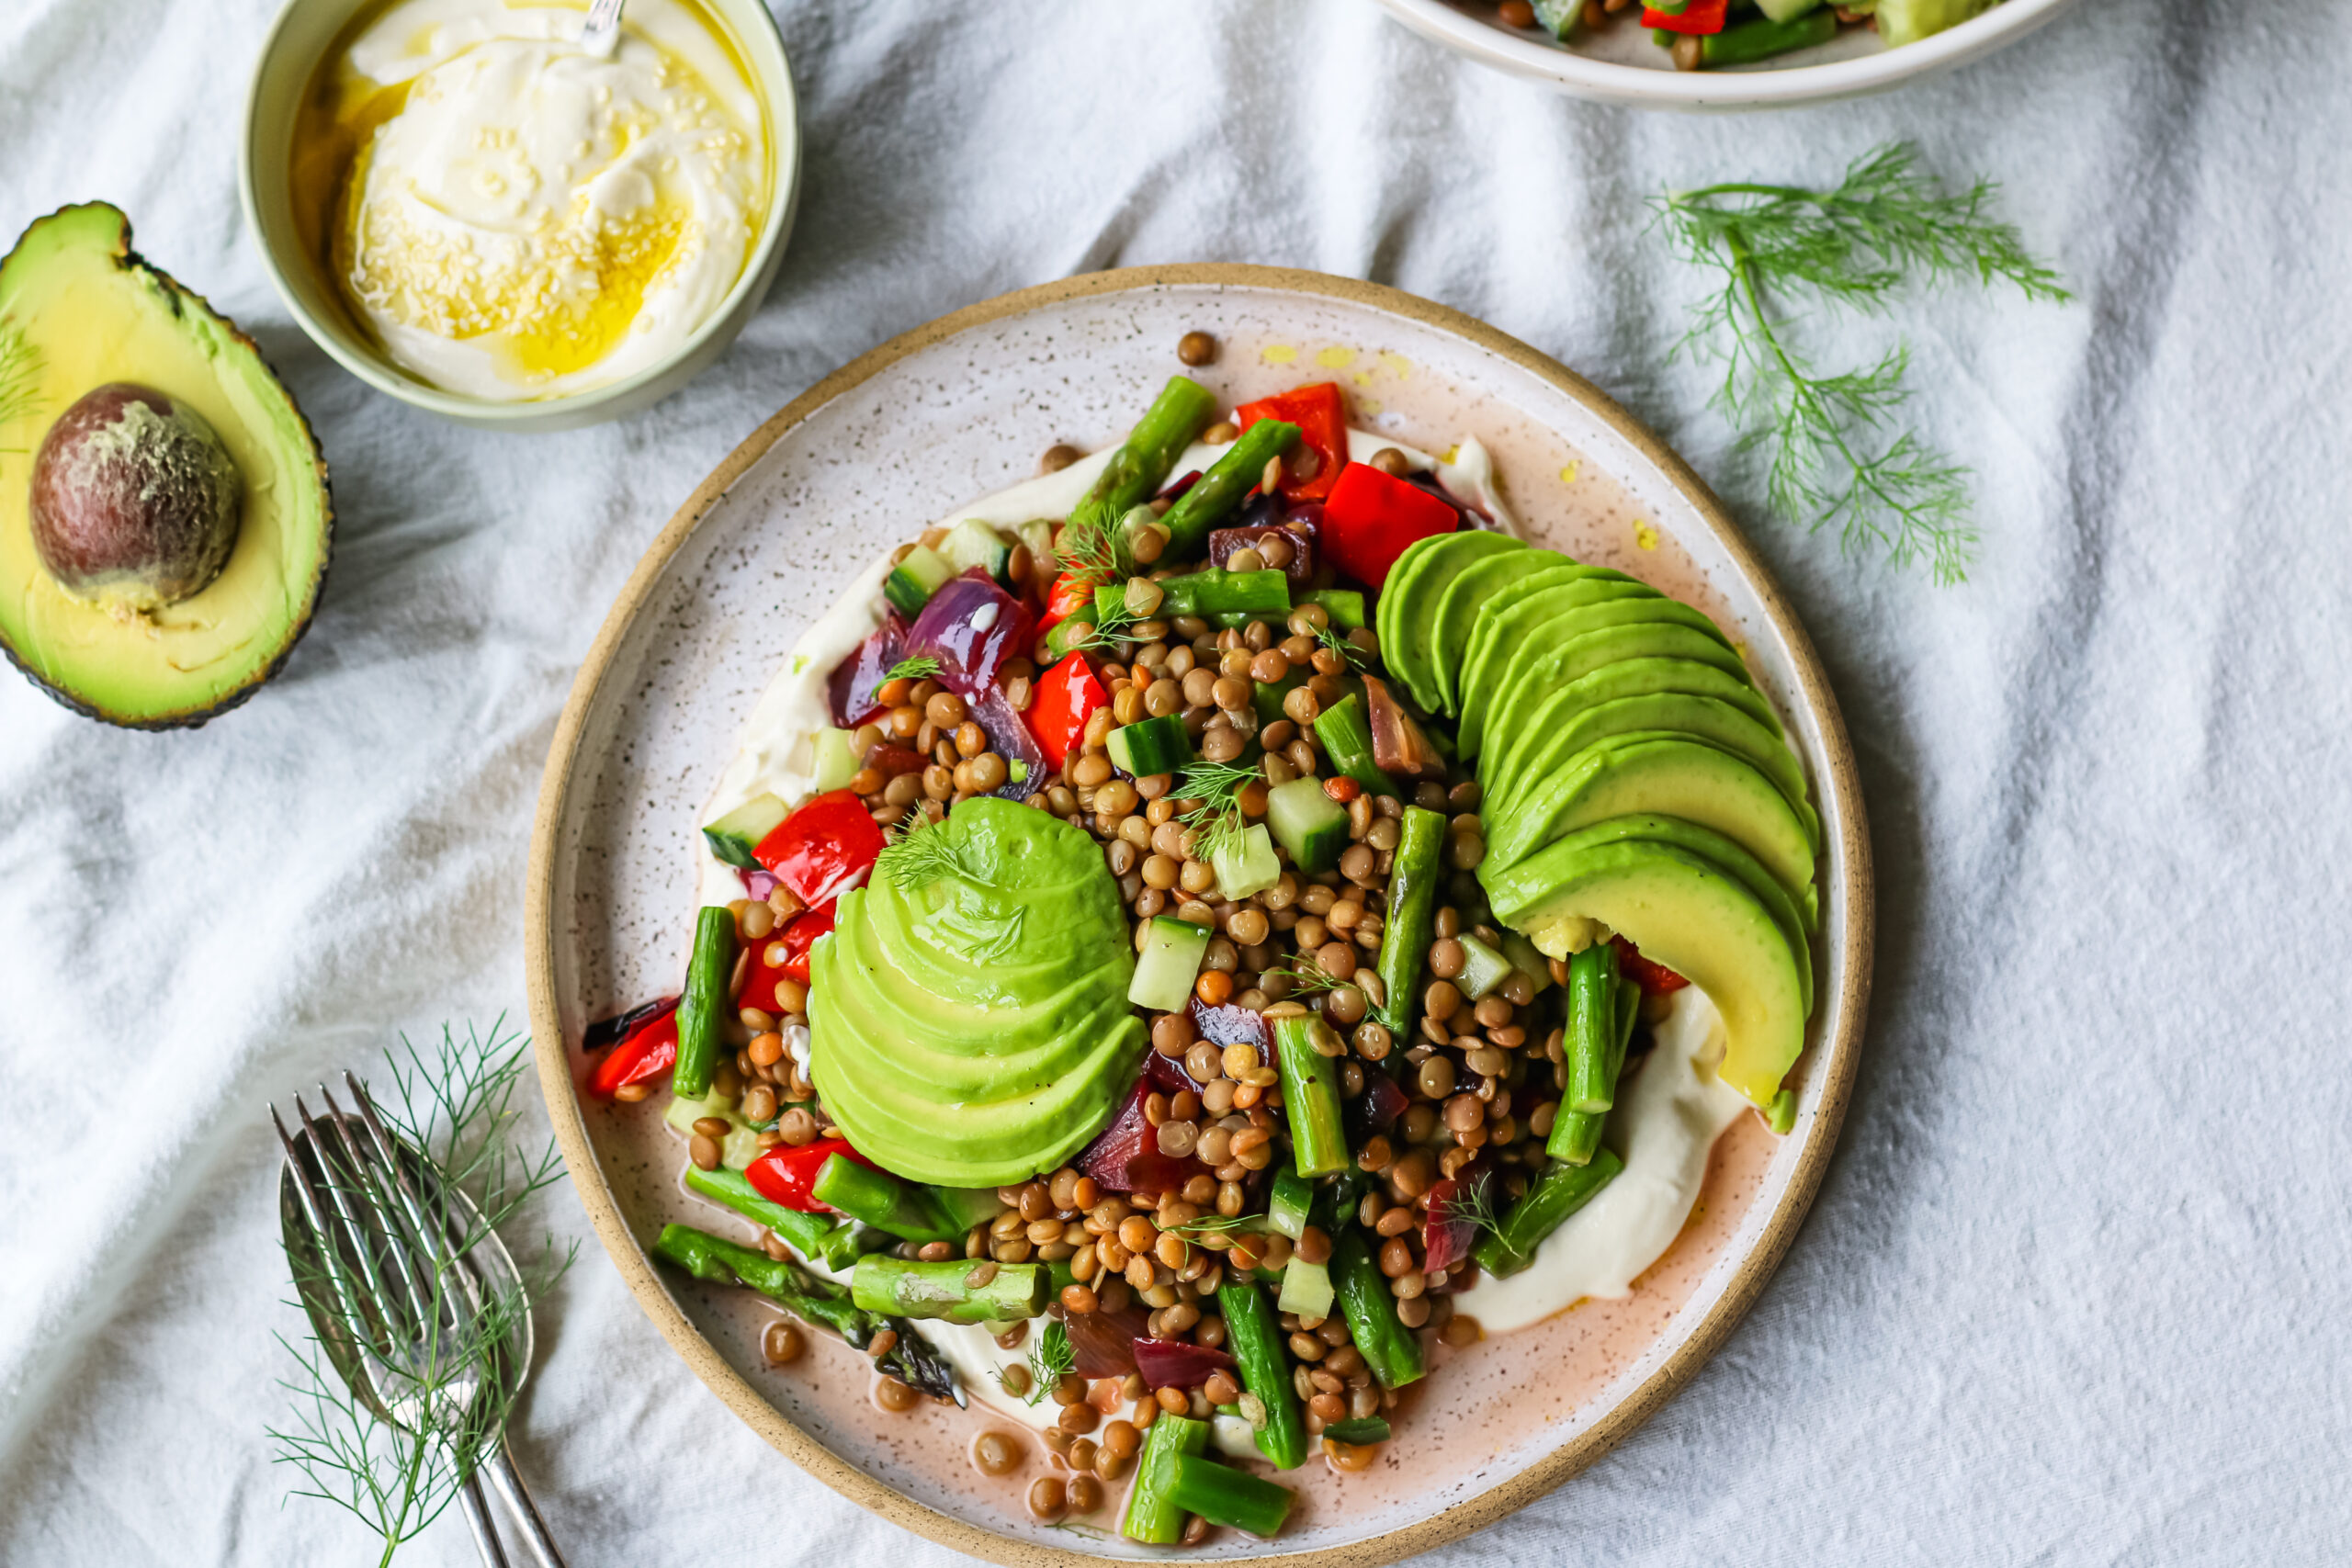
point(1838, 454)
point(920, 667)
point(919, 853)
point(454, 1106)
point(1102, 632)
point(1474, 1204)
point(1308, 979)
point(1214, 815)
point(1335, 639)
point(1051, 1359)
point(1220, 1224)
point(1093, 546)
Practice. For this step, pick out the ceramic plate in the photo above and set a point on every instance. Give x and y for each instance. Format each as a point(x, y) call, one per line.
point(1619, 64)
point(896, 440)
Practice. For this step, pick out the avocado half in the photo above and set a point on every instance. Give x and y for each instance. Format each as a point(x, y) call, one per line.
point(80, 311)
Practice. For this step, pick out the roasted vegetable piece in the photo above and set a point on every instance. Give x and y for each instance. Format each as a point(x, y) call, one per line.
point(1152, 1514)
point(1558, 1192)
point(825, 848)
point(1373, 517)
point(1322, 420)
point(1412, 910)
point(1389, 1348)
point(1311, 1092)
point(960, 1290)
point(1065, 697)
point(1398, 745)
point(1145, 459)
point(647, 1052)
point(1211, 497)
point(1223, 1495)
point(708, 969)
point(1256, 1339)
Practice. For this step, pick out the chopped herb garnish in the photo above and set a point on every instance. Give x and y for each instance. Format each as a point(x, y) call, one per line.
point(1215, 817)
point(921, 668)
point(918, 854)
point(1051, 1359)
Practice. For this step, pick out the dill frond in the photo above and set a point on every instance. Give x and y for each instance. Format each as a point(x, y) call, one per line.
point(1838, 453)
point(920, 667)
point(1051, 1359)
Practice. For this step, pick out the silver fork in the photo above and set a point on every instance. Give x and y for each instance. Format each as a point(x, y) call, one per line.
point(602, 33)
point(363, 1210)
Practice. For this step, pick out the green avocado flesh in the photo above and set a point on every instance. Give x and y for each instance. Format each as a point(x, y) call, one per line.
point(1525, 742)
point(1669, 774)
point(1630, 771)
point(973, 1030)
point(1687, 912)
point(1408, 601)
point(80, 311)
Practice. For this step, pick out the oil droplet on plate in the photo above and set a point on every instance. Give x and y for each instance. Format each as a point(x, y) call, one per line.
point(1397, 364)
point(1278, 354)
point(1569, 474)
point(1645, 535)
point(1336, 359)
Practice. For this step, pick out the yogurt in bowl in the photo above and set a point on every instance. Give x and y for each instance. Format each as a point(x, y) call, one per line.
point(472, 212)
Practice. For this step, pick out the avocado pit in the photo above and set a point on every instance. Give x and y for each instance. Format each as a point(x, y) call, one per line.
point(135, 499)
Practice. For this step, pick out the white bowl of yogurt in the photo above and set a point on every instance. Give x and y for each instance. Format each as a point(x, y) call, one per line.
point(470, 210)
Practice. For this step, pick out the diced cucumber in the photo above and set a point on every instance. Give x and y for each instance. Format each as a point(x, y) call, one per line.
point(1309, 823)
point(1169, 963)
point(1482, 968)
point(734, 836)
point(837, 764)
point(1525, 957)
point(739, 1148)
point(1149, 746)
point(1245, 863)
point(1346, 735)
point(1287, 1204)
point(914, 580)
point(1345, 606)
point(973, 543)
point(1306, 1289)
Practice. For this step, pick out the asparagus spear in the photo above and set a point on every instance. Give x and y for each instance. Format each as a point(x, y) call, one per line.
point(703, 1002)
point(882, 1200)
point(1223, 1495)
point(1141, 465)
point(1254, 1335)
point(808, 1235)
point(1220, 491)
point(910, 1358)
point(1412, 905)
point(1152, 1514)
point(959, 1290)
point(1592, 1027)
point(1311, 1094)
point(1744, 43)
point(1348, 739)
point(1575, 1133)
point(1560, 1192)
point(1388, 1348)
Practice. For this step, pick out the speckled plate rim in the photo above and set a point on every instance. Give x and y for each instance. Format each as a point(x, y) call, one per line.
point(1563, 69)
point(1839, 1051)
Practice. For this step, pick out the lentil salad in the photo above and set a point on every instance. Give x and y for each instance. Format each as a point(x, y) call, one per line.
point(1353, 1088)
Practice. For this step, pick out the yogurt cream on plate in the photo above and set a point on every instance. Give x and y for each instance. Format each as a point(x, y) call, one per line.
point(515, 219)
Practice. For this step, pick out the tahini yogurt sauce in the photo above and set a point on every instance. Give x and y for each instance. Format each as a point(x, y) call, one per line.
point(1668, 1119)
point(519, 219)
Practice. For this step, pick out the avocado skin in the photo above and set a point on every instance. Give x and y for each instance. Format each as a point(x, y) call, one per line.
point(185, 302)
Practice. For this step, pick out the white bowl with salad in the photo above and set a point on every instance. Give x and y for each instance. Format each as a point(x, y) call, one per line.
point(1724, 54)
point(1265, 988)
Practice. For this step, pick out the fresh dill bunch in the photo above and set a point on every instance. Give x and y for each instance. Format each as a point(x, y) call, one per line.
point(1476, 1204)
point(1102, 632)
point(1838, 453)
point(920, 667)
point(1310, 979)
point(453, 1106)
point(1051, 1359)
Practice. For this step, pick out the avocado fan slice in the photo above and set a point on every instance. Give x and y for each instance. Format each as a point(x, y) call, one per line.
point(1685, 911)
point(1543, 641)
point(1499, 633)
point(79, 310)
point(1565, 662)
point(1665, 774)
point(1518, 740)
point(1402, 616)
point(1495, 614)
point(1456, 610)
point(1717, 723)
point(1797, 920)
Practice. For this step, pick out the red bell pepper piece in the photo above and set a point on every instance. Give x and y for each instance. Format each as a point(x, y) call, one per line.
point(783, 1174)
point(1064, 698)
point(1071, 594)
point(789, 946)
point(824, 849)
point(1371, 517)
point(1322, 421)
point(1698, 16)
point(648, 1051)
point(1656, 979)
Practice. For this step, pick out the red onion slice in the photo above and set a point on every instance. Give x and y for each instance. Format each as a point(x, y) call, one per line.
point(971, 627)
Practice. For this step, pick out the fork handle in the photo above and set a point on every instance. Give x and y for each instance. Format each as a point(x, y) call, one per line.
point(477, 1512)
point(499, 1465)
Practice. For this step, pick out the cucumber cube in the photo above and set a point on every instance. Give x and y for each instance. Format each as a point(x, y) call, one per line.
point(1309, 823)
point(734, 836)
point(1245, 863)
point(1169, 963)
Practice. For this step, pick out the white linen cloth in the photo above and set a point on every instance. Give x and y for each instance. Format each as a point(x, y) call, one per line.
point(2072, 1290)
